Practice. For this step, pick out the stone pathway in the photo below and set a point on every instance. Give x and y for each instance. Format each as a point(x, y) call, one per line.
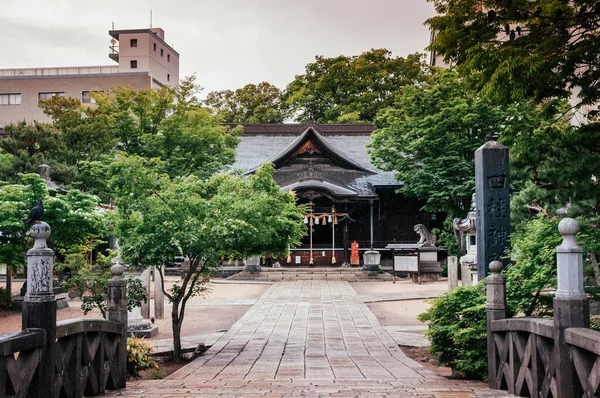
point(306, 338)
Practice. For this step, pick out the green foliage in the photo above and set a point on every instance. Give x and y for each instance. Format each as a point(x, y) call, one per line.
point(551, 55)
point(90, 279)
point(534, 267)
point(253, 103)
point(5, 299)
point(27, 146)
point(72, 217)
point(457, 331)
point(340, 88)
point(430, 136)
point(160, 218)
point(138, 357)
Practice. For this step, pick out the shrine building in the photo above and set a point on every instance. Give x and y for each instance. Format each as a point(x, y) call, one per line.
point(328, 167)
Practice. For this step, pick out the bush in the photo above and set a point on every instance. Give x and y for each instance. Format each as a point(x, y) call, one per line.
point(457, 331)
point(138, 357)
point(5, 299)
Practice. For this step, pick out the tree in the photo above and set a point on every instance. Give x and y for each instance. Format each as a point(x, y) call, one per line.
point(332, 88)
point(162, 217)
point(27, 146)
point(253, 103)
point(73, 219)
point(522, 49)
point(430, 136)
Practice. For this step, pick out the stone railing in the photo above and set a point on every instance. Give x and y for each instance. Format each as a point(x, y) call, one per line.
point(533, 357)
point(71, 358)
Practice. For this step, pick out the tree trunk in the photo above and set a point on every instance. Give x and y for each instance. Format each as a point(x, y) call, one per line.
point(176, 325)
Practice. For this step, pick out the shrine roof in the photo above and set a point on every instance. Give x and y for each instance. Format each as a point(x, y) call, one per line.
point(266, 142)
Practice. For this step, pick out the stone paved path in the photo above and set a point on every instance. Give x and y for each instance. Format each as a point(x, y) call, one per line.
point(306, 338)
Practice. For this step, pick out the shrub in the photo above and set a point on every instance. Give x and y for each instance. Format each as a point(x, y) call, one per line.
point(138, 356)
point(457, 331)
point(5, 299)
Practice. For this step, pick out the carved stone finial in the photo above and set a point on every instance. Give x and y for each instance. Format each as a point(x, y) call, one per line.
point(117, 271)
point(40, 232)
point(568, 227)
point(496, 267)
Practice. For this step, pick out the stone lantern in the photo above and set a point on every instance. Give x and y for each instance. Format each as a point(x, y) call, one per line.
point(467, 234)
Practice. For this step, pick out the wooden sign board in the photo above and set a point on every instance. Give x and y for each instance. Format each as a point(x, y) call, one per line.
point(406, 263)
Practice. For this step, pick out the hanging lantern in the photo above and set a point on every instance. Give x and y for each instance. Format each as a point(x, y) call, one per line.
point(335, 220)
point(324, 220)
point(305, 220)
point(317, 220)
point(330, 219)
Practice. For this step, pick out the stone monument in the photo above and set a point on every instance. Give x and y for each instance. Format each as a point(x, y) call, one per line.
point(493, 205)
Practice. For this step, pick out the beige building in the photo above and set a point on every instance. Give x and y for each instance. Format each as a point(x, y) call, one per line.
point(144, 60)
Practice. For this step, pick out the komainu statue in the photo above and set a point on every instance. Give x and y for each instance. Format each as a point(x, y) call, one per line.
point(427, 237)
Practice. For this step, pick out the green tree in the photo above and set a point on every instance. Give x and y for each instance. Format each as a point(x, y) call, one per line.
point(253, 103)
point(160, 218)
point(522, 49)
point(28, 145)
point(430, 136)
point(73, 219)
point(332, 88)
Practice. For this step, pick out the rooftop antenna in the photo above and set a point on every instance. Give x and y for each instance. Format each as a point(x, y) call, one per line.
point(113, 25)
point(151, 18)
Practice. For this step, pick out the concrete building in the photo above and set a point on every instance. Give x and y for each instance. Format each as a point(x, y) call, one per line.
point(144, 60)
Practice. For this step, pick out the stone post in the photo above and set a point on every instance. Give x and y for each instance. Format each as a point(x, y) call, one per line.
point(465, 272)
point(159, 296)
point(145, 278)
point(39, 305)
point(571, 308)
point(117, 312)
point(495, 309)
point(493, 205)
point(452, 272)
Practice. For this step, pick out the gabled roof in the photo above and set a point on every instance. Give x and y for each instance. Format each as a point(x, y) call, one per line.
point(346, 143)
point(311, 140)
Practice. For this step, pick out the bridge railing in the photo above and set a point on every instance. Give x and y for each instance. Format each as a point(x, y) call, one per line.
point(534, 357)
point(86, 361)
point(20, 357)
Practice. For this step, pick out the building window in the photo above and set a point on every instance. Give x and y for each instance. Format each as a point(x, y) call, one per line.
point(86, 96)
point(133, 43)
point(154, 46)
point(10, 99)
point(49, 95)
point(133, 63)
point(168, 57)
point(161, 52)
point(168, 77)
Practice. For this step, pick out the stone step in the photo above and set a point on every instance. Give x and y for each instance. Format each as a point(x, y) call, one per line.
point(303, 387)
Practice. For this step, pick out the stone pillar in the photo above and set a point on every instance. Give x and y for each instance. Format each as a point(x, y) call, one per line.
point(495, 309)
point(452, 272)
point(465, 272)
point(493, 205)
point(39, 305)
point(159, 296)
point(571, 308)
point(145, 278)
point(117, 312)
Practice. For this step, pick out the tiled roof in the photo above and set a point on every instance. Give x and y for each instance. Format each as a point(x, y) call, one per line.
point(264, 142)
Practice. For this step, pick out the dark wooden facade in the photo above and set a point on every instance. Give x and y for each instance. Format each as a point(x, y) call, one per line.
point(328, 167)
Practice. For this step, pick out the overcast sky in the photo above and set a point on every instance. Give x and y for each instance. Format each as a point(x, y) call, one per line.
point(227, 43)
